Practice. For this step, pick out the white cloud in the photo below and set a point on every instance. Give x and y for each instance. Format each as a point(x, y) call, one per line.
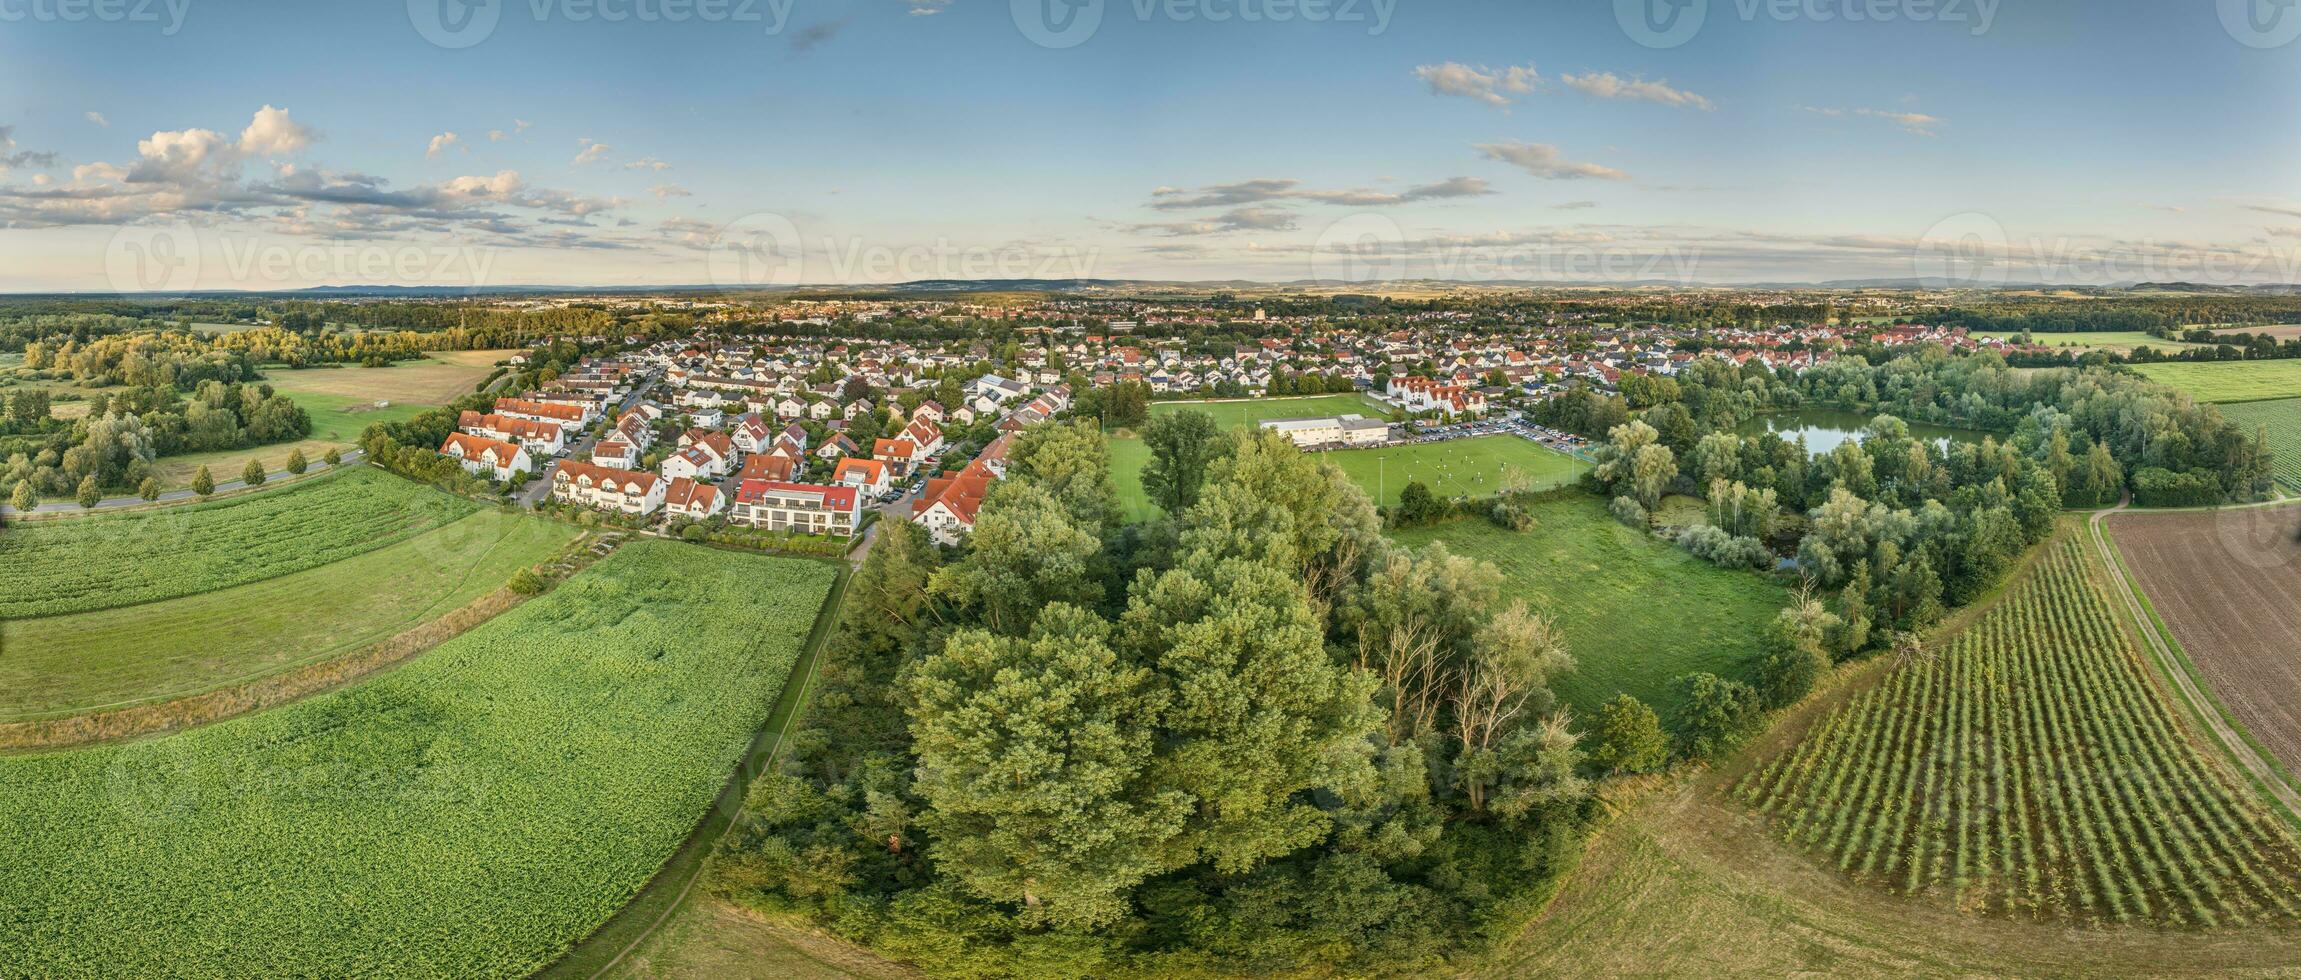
point(1913, 123)
point(1493, 86)
point(98, 119)
point(647, 163)
point(665, 192)
point(1266, 189)
point(1543, 160)
point(441, 144)
point(592, 151)
point(1607, 85)
point(273, 134)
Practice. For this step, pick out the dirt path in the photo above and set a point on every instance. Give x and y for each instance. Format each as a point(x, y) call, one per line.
point(2200, 706)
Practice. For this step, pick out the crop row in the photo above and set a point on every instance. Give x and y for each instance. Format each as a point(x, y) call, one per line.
point(2281, 420)
point(2033, 767)
point(82, 564)
point(472, 813)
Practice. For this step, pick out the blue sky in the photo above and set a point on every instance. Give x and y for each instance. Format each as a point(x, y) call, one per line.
point(292, 144)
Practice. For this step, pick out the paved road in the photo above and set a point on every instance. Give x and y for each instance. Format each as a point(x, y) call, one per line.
point(2200, 705)
point(540, 487)
point(350, 457)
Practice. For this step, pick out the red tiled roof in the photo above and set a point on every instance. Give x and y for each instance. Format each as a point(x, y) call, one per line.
point(834, 498)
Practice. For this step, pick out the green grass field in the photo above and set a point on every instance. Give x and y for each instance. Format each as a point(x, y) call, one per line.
point(63, 665)
point(471, 813)
point(1238, 414)
point(102, 561)
point(2281, 419)
point(1637, 612)
point(2230, 381)
point(2121, 341)
point(1462, 467)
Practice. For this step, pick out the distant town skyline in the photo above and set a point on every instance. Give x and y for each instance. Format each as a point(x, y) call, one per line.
point(185, 145)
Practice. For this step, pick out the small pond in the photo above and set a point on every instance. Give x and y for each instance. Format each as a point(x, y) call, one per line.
point(1825, 428)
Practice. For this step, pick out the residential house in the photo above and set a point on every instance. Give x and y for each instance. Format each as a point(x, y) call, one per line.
point(777, 505)
point(947, 509)
point(899, 455)
point(692, 499)
point(867, 475)
point(628, 491)
point(487, 457)
point(538, 438)
point(615, 454)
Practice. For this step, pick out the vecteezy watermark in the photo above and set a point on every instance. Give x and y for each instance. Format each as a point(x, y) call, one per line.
point(765, 250)
point(169, 14)
point(2261, 23)
point(463, 23)
point(1967, 248)
point(177, 258)
point(1369, 247)
point(1972, 249)
point(1669, 23)
point(1069, 23)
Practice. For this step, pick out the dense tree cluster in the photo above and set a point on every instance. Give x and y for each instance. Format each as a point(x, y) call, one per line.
point(1247, 735)
point(125, 429)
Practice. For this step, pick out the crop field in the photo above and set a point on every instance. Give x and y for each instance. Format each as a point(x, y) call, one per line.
point(471, 813)
point(2228, 585)
point(2229, 381)
point(104, 561)
point(2281, 420)
point(2281, 331)
point(2033, 768)
point(436, 379)
point(1681, 883)
point(1637, 613)
point(2121, 341)
point(72, 664)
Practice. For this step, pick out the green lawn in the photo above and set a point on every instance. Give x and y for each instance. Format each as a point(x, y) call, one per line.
point(2282, 420)
point(339, 419)
point(474, 812)
point(1238, 414)
point(2230, 381)
point(63, 665)
point(1637, 612)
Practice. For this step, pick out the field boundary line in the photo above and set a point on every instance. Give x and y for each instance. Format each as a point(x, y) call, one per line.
point(2201, 704)
point(771, 738)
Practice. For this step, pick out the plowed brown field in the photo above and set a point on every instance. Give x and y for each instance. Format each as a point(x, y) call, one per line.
point(2228, 583)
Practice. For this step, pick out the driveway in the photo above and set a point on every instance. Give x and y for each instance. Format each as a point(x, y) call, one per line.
point(540, 487)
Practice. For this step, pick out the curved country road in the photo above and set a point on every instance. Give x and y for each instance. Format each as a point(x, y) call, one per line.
point(2201, 706)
